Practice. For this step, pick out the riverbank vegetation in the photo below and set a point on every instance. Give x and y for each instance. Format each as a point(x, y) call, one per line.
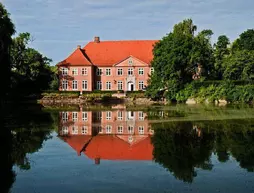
point(187, 65)
point(25, 71)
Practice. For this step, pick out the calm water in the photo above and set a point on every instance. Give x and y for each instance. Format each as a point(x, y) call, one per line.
point(169, 149)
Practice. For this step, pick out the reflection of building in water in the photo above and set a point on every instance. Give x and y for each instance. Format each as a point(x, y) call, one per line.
point(112, 135)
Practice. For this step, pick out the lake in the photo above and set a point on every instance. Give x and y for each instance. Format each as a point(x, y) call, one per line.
point(174, 148)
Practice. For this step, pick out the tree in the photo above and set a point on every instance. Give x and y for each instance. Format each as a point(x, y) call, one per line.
point(7, 29)
point(245, 41)
point(175, 57)
point(31, 70)
point(220, 52)
point(239, 66)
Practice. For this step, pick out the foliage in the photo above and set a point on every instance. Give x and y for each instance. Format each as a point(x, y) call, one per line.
point(176, 56)
point(245, 41)
point(7, 29)
point(135, 94)
point(31, 72)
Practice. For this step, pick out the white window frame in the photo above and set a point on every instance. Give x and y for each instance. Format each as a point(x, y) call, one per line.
point(98, 115)
point(64, 84)
point(141, 115)
point(108, 115)
point(130, 71)
point(108, 85)
point(99, 71)
point(65, 116)
point(151, 70)
point(141, 85)
point(130, 129)
point(84, 71)
point(130, 115)
point(74, 71)
point(141, 130)
point(120, 85)
point(141, 71)
point(108, 71)
point(119, 72)
point(75, 81)
point(100, 129)
point(120, 129)
point(74, 130)
point(99, 85)
point(65, 130)
point(64, 71)
point(84, 84)
point(120, 115)
point(84, 116)
point(84, 130)
point(74, 116)
point(108, 129)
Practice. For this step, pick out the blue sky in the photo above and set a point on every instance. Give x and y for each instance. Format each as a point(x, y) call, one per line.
point(58, 26)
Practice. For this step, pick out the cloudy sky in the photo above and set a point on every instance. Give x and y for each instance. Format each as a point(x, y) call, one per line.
point(58, 26)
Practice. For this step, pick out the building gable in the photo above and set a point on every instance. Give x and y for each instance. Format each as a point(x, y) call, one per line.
point(131, 61)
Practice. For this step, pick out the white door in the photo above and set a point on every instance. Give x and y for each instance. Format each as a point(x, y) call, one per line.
point(130, 86)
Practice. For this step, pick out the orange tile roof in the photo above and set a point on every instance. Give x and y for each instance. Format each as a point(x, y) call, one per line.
point(77, 58)
point(110, 147)
point(108, 53)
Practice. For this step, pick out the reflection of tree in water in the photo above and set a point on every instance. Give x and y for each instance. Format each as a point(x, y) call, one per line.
point(180, 149)
point(183, 146)
point(22, 131)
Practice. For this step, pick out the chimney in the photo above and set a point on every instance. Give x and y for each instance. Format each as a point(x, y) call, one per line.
point(97, 39)
point(79, 46)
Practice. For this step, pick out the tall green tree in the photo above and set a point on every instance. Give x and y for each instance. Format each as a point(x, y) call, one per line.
point(221, 50)
point(176, 55)
point(245, 41)
point(7, 29)
point(31, 71)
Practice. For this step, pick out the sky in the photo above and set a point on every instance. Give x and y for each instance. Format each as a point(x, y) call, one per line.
point(58, 26)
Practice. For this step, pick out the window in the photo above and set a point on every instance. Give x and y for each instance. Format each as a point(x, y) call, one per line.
point(74, 130)
point(98, 115)
point(108, 129)
point(74, 116)
point(64, 71)
point(141, 71)
point(108, 71)
point(74, 85)
point(84, 130)
point(152, 70)
point(108, 85)
point(130, 61)
point(120, 115)
point(119, 71)
point(108, 115)
point(84, 71)
point(84, 85)
point(100, 129)
point(130, 71)
point(99, 71)
point(99, 85)
point(120, 85)
point(141, 130)
point(65, 84)
point(130, 129)
point(65, 116)
point(120, 129)
point(140, 85)
point(84, 116)
point(130, 115)
point(141, 115)
point(65, 130)
point(74, 71)
point(130, 139)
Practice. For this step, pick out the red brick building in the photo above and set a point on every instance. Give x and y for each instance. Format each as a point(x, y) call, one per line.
point(107, 65)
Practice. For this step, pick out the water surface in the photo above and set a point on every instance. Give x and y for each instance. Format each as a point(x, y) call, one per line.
point(113, 149)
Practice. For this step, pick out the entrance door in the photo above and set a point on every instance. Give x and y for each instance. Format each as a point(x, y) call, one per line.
point(130, 86)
